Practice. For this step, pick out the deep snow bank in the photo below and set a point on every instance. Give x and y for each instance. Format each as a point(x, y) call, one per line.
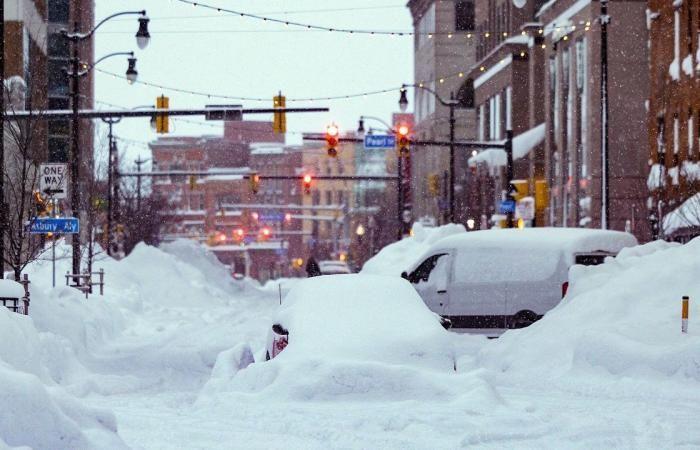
point(397, 257)
point(620, 318)
point(167, 299)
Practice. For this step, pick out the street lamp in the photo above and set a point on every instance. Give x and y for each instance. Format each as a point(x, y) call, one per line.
point(143, 37)
point(451, 103)
point(75, 37)
point(131, 73)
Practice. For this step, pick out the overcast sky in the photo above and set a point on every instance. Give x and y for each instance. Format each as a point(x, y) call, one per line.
point(202, 50)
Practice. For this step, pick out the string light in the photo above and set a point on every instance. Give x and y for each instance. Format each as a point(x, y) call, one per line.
point(308, 26)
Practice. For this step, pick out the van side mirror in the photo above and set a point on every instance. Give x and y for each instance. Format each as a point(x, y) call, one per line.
point(279, 329)
point(404, 275)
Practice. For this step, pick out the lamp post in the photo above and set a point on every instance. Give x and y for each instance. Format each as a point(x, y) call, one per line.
point(142, 39)
point(604, 20)
point(451, 103)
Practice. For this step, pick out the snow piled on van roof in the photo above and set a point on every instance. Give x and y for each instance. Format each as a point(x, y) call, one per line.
point(399, 256)
point(565, 239)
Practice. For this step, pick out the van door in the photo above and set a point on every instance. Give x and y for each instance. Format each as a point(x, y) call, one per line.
point(478, 289)
point(431, 279)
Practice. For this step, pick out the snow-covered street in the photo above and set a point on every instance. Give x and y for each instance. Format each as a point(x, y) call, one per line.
point(153, 365)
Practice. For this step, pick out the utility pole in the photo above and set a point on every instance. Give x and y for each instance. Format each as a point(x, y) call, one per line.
point(138, 163)
point(75, 159)
point(399, 203)
point(110, 180)
point(509, 175)
point(452, 104)
point(605, 178)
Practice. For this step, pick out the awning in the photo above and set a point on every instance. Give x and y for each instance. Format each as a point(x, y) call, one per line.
point(522, 145)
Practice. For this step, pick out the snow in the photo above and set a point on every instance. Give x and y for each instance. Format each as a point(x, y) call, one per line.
point(11, 289)
point(691, 170)
point(399, 256)
point(656, 178)
point(522, 145)
point(673, 174)
point(687, 65)
point(686, 215)
point(555, 240)
point(619, 323)
point(164, 359)
point(674, 69)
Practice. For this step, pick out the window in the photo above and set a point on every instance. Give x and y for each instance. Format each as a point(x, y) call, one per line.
point(422, 272)
point(58, 149)
point(482, 118)
point(59, 127)
point(59, 11)
point(58, 80)
point(676, 134)
point(59, 103)
point(329, 197)
point(509, 108)
point(691, 133)
point(677, 35)
point(497, 116)
point(426, 25)
point(464, 16)
point(58, 46)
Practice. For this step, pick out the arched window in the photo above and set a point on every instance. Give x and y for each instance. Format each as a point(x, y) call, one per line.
point(465, 95)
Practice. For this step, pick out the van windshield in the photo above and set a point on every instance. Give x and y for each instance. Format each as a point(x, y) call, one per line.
point(489, 265)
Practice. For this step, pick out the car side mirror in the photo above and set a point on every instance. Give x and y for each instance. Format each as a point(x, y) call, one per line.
point(404, 275)
point(279, 329)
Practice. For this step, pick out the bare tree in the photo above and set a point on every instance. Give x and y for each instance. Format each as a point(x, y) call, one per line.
point(21, 170)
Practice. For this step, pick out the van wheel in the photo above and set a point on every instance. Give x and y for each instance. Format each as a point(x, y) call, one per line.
point(522, 319)
point(267, 356)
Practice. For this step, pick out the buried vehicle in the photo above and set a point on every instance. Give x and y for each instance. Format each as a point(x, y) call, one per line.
point(489, 281)
point(359, 318)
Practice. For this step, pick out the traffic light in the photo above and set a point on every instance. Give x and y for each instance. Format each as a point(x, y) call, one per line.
point(288, 217)
point(279, 122)
point(332, 134)
point(254, 183)
point(239, 234)
point(402, 140)
point(40, 204)
point(306, 182)
point(265, 233)
point(162, 121)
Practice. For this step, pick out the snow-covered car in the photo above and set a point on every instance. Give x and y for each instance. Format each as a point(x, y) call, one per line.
point(358, 316)
point(489, 281)
point(330, 267)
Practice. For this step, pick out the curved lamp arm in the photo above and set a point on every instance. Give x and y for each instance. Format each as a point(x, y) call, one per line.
point(82, 36)
point(87, 69)
point(420, 86)
point(388, 127)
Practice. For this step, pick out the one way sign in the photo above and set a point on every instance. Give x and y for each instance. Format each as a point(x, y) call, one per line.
point(54, 180)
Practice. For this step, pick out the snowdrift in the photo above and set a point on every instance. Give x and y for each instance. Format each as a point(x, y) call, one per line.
point(620, 319)
point(54, 356)
point(399, 256)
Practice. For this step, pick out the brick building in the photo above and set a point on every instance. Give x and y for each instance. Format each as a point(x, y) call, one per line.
point(444, 48)
point(212, 208)
point(673, 117)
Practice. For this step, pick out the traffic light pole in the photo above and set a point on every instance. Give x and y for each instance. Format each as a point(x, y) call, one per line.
point(75, 159)
point(110, 178)
point(509, 174)
point(452, 104)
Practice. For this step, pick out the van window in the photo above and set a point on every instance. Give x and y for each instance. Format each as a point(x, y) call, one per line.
point(496, 265)
point(591, 259)
point(422, 272)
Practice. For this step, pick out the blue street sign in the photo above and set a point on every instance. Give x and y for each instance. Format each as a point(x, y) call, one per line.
point(507, 206)
point(275, 216)
point(379, 141)
point(60, 225)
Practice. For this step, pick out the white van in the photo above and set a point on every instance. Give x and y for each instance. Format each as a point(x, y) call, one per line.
point(488, 281)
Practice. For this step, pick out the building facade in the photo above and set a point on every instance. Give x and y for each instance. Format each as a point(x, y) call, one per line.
point(673, 119)
point(444, 49)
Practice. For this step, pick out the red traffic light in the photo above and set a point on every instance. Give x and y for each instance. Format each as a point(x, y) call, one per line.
point(288, 217)
point(265, 233)
point(332, 134)
point(307, 183)
point(239, 234)
point(404, 130)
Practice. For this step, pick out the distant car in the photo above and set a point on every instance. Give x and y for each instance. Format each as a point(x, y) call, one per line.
point(489, 281)
point(330, 267)
point(342, 315)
